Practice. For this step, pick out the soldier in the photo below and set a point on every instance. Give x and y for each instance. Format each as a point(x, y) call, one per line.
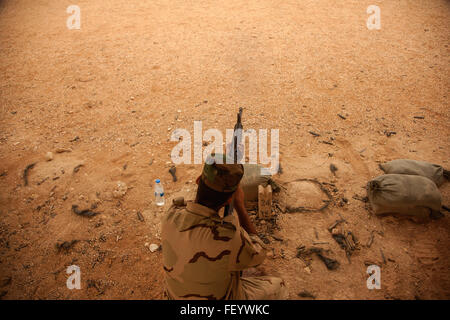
point(205, 249)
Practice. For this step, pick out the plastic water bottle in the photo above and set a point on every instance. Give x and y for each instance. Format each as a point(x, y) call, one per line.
point(159, 193)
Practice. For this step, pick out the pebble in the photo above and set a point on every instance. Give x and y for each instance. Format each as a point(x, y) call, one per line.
point(120, 190)
point(61, 150)
point(153, 247)
point(49, 156)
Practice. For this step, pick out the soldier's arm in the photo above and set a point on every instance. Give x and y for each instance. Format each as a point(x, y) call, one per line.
point(249, 252)
point(242, 214)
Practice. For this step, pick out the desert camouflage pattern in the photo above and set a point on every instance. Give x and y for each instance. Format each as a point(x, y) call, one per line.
point(220, 176)
point(204, 252)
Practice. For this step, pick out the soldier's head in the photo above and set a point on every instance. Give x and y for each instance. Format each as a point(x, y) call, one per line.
point(218, 182)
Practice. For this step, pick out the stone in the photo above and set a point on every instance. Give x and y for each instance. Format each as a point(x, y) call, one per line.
point(62, 150)
point(153, 247)
point(49, 156)
point(120, 190)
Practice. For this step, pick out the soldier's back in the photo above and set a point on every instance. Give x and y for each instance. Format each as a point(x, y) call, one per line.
point(197, 247)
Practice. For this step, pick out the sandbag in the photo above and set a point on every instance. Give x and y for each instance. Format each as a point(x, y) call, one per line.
point(403, 194)
point(251, 180)
point(433, 172)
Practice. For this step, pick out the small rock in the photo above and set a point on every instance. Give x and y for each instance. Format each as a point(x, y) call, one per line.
point(49, 156)
point(333, 168)
point(121, 189)
point(306, 294)
point(89, 104)
point(62, 150)
point(5, 281)
point(153, 247)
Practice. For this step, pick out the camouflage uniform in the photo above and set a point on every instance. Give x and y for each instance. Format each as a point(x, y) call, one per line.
point(204, 252)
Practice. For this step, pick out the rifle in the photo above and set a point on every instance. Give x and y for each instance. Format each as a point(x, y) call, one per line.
point(237, 135)
point(237, 138)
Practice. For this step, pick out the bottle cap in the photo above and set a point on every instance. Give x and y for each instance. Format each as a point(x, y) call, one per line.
point(157, 181)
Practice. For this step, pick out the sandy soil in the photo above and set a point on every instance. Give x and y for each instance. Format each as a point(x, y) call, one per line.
point(113, 91)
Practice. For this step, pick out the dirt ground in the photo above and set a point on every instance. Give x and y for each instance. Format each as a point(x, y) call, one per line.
point(112, 93)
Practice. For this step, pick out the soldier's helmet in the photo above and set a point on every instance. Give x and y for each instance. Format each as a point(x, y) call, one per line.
point(221, 176)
